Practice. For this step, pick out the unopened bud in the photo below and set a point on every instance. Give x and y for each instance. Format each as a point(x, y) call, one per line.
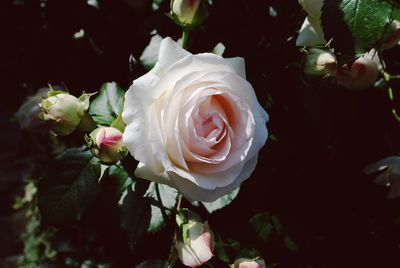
point(361, 74)
point(188, 13)
point(63, 112)
point(195, 243)
point(392, 35)
point(249, 263)
point(320, 62)
point(106, 144)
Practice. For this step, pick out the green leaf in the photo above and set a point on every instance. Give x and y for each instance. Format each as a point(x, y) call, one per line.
point(135, 215)
point(289, 243)
point(265, 224)
point(119, 123)
point(152, 264)
point(396, 12)
point(120, 177)
point(261, 223)
point(221, 202)
point(354, 26)
point(219, 248)
point(108, 104)
point(161, 205)
point(68, 187)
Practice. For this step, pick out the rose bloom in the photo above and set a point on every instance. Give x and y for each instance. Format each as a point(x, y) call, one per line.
point(193, 122)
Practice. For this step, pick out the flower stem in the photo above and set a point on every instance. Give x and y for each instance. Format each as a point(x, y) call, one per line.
point(185, 38)
point(87, 123)
point(172, 256)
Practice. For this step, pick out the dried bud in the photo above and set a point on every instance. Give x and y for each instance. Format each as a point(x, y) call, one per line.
point(320, 62)
point(63, 112)
point(106, 144)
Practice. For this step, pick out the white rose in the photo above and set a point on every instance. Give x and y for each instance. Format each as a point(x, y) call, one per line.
point(194, 123)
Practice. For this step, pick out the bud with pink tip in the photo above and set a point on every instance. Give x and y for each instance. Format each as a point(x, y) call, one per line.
point(361, 74)
point(195, 243)
point(188, 13)
point(392, 35)
point(106, 144)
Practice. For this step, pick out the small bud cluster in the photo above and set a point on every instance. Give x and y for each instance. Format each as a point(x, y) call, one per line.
point(64, 113)
point(359, 74)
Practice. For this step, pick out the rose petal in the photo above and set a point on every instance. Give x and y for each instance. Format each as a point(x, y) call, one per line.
point(193, 192)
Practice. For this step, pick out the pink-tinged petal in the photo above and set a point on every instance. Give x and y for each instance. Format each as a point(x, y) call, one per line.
point(192, 192)
point(392, 37)
point(362, 74)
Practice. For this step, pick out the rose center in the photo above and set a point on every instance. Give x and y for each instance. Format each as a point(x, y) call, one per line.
point(209, 126)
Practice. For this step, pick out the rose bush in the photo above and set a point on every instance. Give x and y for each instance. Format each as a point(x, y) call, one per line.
point(194, 123)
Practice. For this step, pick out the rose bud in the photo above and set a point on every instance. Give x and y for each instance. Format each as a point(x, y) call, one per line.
point(195, 243)
point(249, 263)
point(361, 74)
point(392, 35)
point(63, 112)
point(320, 62)
point(106, 144)
point(188, 13)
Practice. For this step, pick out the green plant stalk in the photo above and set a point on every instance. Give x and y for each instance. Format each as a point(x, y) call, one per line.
point(185, 38)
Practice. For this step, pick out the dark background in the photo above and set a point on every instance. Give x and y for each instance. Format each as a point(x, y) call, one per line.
point(310, 176)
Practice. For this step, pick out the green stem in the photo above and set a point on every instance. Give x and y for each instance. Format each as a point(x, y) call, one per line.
point(87, 123)
point(177, 207)
point(163, 213)
point(185, 38)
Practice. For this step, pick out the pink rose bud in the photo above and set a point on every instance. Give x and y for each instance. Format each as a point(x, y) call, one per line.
point(188, 13)
point(63, 112)
point(196, 240)
point(361, 74)
point(392, 35)
point(106, 144)
point(249, 263)
point(320, 62)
